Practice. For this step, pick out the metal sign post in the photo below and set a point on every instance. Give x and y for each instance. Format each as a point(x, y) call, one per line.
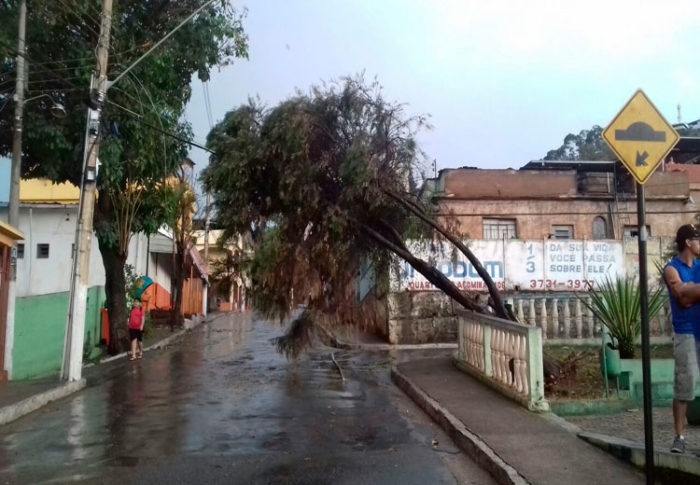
point(646, 358)
point(641, 138)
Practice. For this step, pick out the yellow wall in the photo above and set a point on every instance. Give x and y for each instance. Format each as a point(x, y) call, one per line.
point(42, 191)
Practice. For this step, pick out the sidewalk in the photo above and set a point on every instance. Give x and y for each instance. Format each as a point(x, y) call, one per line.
point(19, 398)
point(513, 444)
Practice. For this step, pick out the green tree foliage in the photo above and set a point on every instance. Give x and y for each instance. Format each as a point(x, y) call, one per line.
point(324, 181)
point(226, 270)
point(586, 145)
point(135, 155)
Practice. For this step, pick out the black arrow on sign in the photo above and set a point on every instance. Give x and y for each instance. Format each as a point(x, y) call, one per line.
point(642, 159)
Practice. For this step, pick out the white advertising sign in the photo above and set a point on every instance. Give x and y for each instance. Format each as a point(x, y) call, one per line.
point(549, 265)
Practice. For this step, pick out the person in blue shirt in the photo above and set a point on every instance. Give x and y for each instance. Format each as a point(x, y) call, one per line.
point(681, 276)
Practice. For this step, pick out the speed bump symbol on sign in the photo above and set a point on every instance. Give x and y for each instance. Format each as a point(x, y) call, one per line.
point(640, 137)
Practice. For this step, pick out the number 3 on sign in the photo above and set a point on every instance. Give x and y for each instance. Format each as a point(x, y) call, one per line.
point(530, 267)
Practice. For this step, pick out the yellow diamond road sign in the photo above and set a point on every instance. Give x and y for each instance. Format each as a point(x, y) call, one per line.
point(640, 137)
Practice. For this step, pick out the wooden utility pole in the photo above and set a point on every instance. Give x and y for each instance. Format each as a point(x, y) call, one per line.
point(13, 218)
point(73, 349)
point(207, 222)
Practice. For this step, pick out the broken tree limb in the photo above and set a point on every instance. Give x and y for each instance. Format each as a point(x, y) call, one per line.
point(416, 210)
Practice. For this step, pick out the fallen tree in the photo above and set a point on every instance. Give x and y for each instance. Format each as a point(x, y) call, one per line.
point(325, 181)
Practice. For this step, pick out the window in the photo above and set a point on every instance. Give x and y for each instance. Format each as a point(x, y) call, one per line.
point(600, 228)
point(20, 251)
point(562, 232)
point(499, 229)
point(42, 251)
point(632, 231)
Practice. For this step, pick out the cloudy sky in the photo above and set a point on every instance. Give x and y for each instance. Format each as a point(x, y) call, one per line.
point(504, 81)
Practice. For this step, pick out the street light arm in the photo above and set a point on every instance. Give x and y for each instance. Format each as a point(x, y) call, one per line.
point(137, 61)
point(40, 96)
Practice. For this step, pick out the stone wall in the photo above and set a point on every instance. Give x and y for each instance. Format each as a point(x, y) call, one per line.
point(421, 317)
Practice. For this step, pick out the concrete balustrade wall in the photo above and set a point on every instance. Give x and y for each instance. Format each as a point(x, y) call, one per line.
point(422, 317)
point(503, 354)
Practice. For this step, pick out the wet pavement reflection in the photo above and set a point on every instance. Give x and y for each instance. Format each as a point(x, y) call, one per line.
point(222, 406)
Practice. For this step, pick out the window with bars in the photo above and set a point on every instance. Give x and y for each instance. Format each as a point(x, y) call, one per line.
point(20, 251)
point(499, 229)
point(563, 232)
point(633, 231)
point(42, 251)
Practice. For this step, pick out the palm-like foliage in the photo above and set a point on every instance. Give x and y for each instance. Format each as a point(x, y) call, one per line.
point(617, 304)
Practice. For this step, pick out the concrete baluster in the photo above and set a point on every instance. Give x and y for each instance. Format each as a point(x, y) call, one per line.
point(494, 354)
point(499, 355)
point(486, 336)
point(510, 345)
point(591, 322)
point(523, 365)
point(468, 348)
point(543, 317)
point(502, 356)
point(665, 321)
point(473, 356)
point(555, 318)
point(578, 319)
point(567, 319)
point(519, 363)
point(470, 343)
point(660, 317)
point(515, 355)
point(532, 314)
point(480, 344)
point(520, 314)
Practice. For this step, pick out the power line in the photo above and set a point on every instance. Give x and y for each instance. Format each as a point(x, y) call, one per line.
point(14, 52)
point(139, 118)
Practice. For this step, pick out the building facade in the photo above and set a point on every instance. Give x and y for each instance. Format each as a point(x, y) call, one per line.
point(48, 218)
point(563, 200)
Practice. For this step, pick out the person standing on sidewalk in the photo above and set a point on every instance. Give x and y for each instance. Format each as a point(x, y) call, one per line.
point(137, 319)
point(680, 276)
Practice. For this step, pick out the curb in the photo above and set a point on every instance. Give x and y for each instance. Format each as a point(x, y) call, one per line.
point(158, 345)
point(339, 344)
point(677, 468)
point(348, 346)
point(469, 442)
point(15, 411)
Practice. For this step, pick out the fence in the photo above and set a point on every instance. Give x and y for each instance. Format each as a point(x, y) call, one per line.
point(505, 355)
point(565, 319)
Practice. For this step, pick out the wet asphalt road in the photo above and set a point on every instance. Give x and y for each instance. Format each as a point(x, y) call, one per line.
point(222, 406)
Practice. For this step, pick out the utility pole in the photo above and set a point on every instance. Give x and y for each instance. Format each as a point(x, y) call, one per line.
point(13, 218)
point(73, 349)
point(207, 221)
point(15, 174)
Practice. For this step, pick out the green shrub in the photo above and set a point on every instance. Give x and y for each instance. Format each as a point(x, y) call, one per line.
point(617, 304)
